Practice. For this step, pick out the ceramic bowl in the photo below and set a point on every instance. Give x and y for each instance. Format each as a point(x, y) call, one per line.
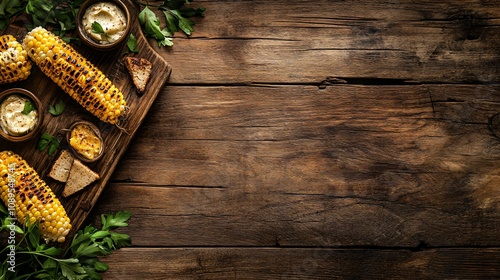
point(96, 131)
point(28, 94)
point(84, 36)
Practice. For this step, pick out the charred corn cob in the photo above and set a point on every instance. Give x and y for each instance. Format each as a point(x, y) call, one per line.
point(14, 62)
point(75, 75)
point(20, 186)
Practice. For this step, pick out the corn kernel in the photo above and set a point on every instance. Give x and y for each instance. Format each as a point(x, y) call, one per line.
point(13, 63)
point(34, 203)
point(82, 80)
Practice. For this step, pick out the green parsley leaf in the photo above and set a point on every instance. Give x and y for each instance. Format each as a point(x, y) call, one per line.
point(60, 14)
point(185, 24)
point(9, 8)
point(176, 18)
point(7, 225)
point(97, 29)
point(89, 249)
point(52, 251)
point(49, 142)
point(120, 240)
point(100, 266)
point(132, 43)
point(41, 11)
point(49, 263)
point(119, 220)
point(57, 109)
point(171, 21)
point(151, 27)
point(28, 107)
point(53, 147)
point(70, 270)
point(43, 142)
point(99, 235)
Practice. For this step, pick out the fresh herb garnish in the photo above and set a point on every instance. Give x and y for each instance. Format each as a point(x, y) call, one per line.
point(57, 109)
point(177, 17)
point(151, 27)
point(49, 143)
point(97, 29)
point(8, 9)
point(132, 43)
point(60, 14)
point(28, 107)
point(37, 260)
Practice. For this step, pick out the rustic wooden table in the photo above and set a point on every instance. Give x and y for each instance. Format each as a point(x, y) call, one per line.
point(319, 140)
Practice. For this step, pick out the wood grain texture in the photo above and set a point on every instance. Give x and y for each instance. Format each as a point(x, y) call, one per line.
point(302, 42)
point(299, 263)
point(110, 63)
point(298, 165)
point(319, 140)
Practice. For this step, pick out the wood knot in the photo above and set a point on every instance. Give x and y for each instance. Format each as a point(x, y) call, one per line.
point(494, 124)
point(471, 24)
point(331, 81)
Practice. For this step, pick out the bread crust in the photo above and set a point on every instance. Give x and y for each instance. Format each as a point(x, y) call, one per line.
point(140, 70)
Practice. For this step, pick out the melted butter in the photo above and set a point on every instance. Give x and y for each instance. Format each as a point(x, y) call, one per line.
point(110, 17)
point(84, 140)
point(12, 120)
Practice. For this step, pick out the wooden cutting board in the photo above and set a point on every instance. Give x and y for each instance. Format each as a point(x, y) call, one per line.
point(116, 141)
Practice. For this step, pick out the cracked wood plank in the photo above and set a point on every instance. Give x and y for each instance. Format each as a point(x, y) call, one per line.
point(302, 263)
point(303, 166)
point(300, 42)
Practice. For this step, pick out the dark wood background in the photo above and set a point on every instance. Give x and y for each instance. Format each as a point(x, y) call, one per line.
point(319, 140)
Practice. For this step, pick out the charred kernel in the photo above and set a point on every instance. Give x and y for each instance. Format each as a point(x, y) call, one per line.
point(31, 202)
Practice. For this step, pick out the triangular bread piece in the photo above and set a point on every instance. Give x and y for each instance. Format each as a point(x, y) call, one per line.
point(79, 177)
point(140, 70)
point(60, 169)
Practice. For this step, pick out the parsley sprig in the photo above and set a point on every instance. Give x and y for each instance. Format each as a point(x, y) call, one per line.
point(177, 17)
point(98, 29)
point(132, 43)
point(60, 14)
point(28, 107)
point(37, 260)
point(49, 143)
point(57, 109)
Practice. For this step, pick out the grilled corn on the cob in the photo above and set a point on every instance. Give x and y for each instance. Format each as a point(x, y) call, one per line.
point(75, 75)
point(21, 186)
point(14, 62)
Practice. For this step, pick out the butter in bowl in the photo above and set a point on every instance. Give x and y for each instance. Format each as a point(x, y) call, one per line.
point(85, 140)
point(103, 24)
point(21, 114)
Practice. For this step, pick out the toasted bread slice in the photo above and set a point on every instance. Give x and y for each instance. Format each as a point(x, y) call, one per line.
point(60, 169)
point(79, 177)
point(140, 70)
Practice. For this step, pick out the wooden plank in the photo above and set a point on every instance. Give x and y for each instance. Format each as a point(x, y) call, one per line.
point(297, 165)
point(302, 263)
point(264, 216)
point(116, 141)
point(299, 42)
